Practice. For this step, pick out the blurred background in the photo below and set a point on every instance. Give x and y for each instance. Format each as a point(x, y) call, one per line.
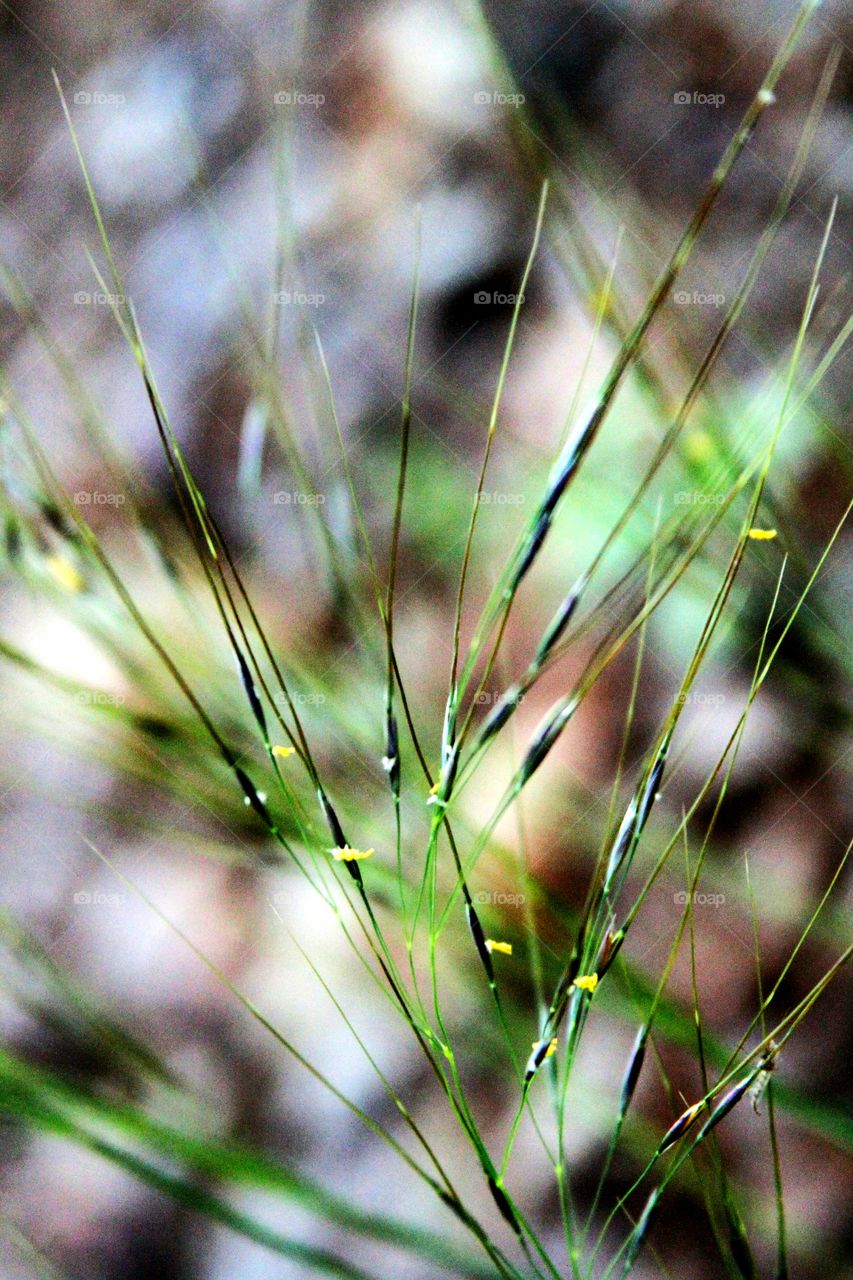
point(264, 170)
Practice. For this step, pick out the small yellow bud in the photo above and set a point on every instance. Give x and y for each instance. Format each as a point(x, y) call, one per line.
point(284, 752)
point(586, 983)
point(762, 535)
point(64, 574)
point(493, 946)
point(346, 854)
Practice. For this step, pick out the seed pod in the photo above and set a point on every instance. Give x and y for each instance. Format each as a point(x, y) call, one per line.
point(723, 1108)
point(638, 1235)
point(609, 950)
point(13, 539)
point(498, 716)
point(479, 940)
point(679, 1128)
point(541, 1050)
point(506, 1209)
point(253, 798)
point(545, 737)
point(338, 838)
point(637, 812)
point(531, 550)
point(560, 621)
point(635, 1066)
point(251, 693)
point(391, 759)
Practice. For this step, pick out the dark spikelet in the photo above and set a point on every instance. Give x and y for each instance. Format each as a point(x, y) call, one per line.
point(337, 834)
point(54, 517)
point(560, 621)
point(722, 1109)
point(632, 1075)
point(637, 812)
point(544, 741)
point(13, 539)
point(335, 828)
point(254, 799)
point(504, 1206)
point(570, 458)
point(391, 763)
point(530, 552)
point(479, 939)
point(638, 1235)
point(679, 1128)
point(498, 716)
point(609, 950)
point(622, 841)
point(652, 787)
point(454, 1206)
point(537, 1057)
point(252, 693)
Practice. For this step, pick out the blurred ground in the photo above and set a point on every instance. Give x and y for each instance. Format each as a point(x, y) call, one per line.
point(382, 110)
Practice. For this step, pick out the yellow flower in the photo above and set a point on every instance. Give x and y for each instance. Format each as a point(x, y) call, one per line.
point(762, 535)
point(284, 752)
point(493, 946)
point(64, 574)
point(699, 446)
point(586, 983)
point(551, 1050)
point(351, 855)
